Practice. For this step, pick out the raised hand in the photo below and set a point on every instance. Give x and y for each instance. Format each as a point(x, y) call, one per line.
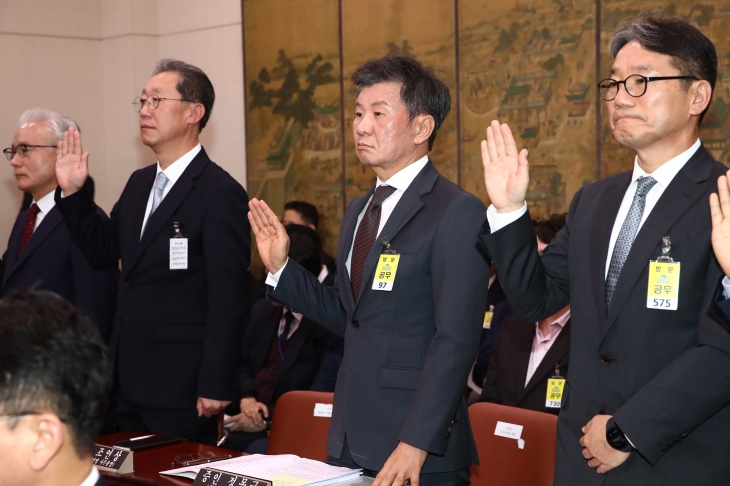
point(271, 238)
point(72, 163)
point(720, 211)
point(505, 170)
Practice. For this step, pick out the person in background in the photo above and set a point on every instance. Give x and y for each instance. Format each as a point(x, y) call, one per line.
point(527, 354)
point(306, 214)
point(40, 252)
point(282, 352)
point(55, 372)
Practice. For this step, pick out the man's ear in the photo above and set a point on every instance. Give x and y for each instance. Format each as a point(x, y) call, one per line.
point(48, 435)
point(702, 93)
point(196, 113)
point(424, 125)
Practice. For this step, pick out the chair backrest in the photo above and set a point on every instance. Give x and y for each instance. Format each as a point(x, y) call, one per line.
point(296, 430)
point(503, 463)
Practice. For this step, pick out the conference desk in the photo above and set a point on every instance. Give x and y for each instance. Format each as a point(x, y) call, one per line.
point(148, 463)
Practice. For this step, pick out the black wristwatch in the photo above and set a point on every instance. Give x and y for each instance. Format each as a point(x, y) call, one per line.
point(616, 438)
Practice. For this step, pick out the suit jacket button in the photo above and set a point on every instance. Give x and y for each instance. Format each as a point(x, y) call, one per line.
point(665, 449)
point(684, 436)
point(128, 285)
point(606, 359)
point(355, 323)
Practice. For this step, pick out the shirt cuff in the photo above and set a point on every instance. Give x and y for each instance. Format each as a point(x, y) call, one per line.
point(497, 221)
point(273, 278)
point(726, 286)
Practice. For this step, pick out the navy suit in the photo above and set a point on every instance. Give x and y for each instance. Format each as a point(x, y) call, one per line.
point(50, 261)
point(663, 375)
point(177, 333)
point(408, 352)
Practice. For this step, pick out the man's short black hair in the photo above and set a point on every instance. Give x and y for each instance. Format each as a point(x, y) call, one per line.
point(547, 228)
point(422, 92)
point(193, 85)
point(692, 53)
point(305, 247)
point(308, 211)
point(52, 360)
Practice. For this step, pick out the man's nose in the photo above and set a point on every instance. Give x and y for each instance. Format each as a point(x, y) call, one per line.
point(623, 98)
point(364, 125)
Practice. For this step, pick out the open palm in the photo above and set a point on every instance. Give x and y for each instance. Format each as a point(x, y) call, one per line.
point(506, 174)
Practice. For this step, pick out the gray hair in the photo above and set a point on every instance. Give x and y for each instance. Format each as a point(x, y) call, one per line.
point(56, 123)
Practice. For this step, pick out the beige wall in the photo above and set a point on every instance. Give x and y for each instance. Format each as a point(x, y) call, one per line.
point(89, 58)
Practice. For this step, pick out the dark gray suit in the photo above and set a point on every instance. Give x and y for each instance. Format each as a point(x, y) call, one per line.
point(407, 352)
point(663, 375)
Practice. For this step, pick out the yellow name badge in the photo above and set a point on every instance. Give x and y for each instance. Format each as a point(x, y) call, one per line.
point(554, 396)
point(488, 319)
point(663, 290)
point(385, 273)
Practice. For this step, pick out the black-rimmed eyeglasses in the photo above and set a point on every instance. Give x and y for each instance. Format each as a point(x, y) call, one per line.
point(22, 150)
point(635, 85)
point(152, 102)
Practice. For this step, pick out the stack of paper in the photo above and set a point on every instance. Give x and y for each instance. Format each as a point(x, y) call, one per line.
point(283, 470)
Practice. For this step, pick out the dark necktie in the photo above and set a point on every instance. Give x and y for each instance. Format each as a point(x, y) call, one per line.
point(288, 319)
point(29, 227)
point(627, 235)
point(365, 236)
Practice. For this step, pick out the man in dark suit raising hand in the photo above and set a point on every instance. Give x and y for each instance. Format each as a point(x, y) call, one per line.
point(179, 230)
point(646, 398)
point(410, 293)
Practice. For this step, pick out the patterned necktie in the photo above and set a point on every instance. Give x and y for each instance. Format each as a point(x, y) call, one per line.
point(288, 319)
point(29, 227)
point(365, 236)
point(626, 235)
point(160, 182)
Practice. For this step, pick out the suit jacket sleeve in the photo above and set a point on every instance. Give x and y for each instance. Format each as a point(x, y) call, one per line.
point(94, 235)
point(300, 290)
point(540, 288)
point(95, 292)
point(460, 276)
point(685, 394)
point(227, 248)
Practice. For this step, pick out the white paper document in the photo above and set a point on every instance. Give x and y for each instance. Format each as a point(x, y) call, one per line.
point(283, 470)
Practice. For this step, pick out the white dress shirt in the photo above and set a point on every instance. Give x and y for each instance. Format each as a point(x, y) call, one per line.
point(45, 204)
point(663, 175)
point(400, 181)
point(541, 344)
point(173, 173)
point(92, 478)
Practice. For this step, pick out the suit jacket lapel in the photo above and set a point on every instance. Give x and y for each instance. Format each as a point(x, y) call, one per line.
point(677, 198)
point(557, 351)
point(410, 203)
point(49, 223)
point(600, 239)
point(141, 198)
point(170, 203)
point(524, 335)
point(266, 328)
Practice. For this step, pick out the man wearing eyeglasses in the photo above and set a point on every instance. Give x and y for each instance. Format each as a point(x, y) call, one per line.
point(181, 233)
point(40, 253)
point(646, 397)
